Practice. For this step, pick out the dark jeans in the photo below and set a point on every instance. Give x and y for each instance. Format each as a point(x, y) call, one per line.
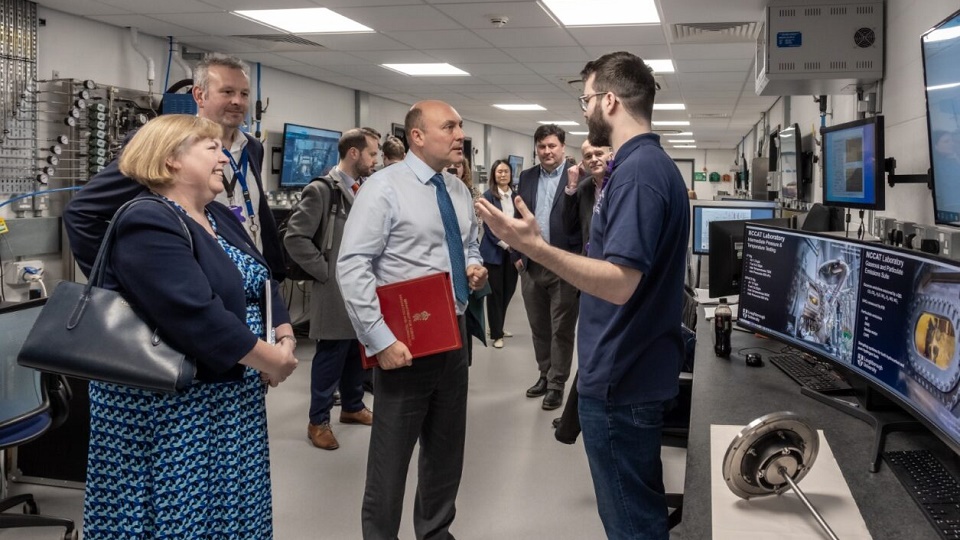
point(552, 308)
point(503, 283)
point(337, 361)
point(426, 402)
point(623, 449)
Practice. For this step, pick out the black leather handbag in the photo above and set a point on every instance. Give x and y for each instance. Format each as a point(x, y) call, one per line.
point(89, 332)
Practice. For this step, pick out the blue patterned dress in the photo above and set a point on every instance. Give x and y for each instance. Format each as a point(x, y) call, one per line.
point(194, 465)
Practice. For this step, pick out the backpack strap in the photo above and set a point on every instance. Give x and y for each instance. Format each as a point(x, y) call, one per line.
point(336, 206)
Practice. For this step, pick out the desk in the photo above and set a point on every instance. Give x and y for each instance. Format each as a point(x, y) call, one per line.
point(729, 392)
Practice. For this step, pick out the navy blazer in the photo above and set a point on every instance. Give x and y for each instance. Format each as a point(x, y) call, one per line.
point(196, 300)
point(89, 212)
point(559, 237)
point(490, 252)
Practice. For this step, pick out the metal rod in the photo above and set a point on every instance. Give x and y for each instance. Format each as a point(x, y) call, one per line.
point(823, 524)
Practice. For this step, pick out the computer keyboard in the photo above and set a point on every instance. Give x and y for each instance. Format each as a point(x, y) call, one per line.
point(932, 487)
point(809, 372)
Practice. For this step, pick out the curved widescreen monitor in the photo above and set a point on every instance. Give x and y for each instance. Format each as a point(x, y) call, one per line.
point(890, 316)
point(853, 169)
point(941, 56)
point(308, 153)
point(705, 212)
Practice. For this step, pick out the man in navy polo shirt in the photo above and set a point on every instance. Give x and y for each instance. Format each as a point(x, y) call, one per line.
point(629, 342)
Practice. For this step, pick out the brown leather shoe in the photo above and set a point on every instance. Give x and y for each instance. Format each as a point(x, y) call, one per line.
point(363, 416)
point(322, 436)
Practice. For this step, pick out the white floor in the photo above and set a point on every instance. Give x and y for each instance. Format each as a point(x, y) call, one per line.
point(518, 481)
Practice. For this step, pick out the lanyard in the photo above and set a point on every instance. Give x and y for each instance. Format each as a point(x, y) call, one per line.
point(240, 175)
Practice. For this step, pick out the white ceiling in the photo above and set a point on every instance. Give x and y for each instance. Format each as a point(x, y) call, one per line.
point(530, 60)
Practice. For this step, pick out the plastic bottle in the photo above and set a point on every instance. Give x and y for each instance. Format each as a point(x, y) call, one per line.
point(722, 327)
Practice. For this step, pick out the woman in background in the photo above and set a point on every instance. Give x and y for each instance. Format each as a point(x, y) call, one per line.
point(496, 253)
point(193, 464)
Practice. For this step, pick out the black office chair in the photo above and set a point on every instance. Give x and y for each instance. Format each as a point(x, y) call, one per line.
point(676, 423)
point(51, 395)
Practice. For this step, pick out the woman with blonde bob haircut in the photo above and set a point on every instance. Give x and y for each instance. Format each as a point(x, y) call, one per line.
point(193, 464)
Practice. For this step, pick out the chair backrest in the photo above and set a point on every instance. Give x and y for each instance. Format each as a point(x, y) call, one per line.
point(30, 402)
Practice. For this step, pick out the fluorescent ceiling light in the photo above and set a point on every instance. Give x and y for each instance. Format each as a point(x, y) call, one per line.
point(519, 107)
point(578, 133)
point(661, 66)
point(688, 141)
point(560, 123)
point(602, 12)
point(423, 70)
point(681, 134)
point(669, 107)
point(304, 21)
point(671, 122)
point(684, 146)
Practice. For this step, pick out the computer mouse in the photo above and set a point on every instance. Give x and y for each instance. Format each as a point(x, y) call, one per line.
point(754, 360)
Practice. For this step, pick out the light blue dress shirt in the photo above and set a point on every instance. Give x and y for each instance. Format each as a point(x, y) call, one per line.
point(394, 233)
point(546, 192)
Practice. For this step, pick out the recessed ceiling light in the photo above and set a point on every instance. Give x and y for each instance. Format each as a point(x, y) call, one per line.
point(559, 123)
point(602, 12)
point(578, 133)
point(304, 21)
point(661, 66)
point(671, 122)
point(669, 107)
point(423, 70)
point(684, 146)
point(688, 141)
point(519, 107)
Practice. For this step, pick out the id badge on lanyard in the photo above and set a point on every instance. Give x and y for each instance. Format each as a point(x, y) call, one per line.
point(240, 176)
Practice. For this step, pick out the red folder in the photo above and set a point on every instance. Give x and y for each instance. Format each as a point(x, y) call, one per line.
point(421, 313)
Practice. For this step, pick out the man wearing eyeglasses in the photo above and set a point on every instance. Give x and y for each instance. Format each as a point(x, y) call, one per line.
point(550, 301)
point(630, 347)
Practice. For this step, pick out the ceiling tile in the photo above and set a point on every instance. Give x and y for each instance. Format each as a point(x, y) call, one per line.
point(354, 42)
point(83, 7)
point(549, 54)
point(713, 51)
point(510, 80)
point(739, 65)
point(440, 39)
point(145, 25)
point(711, 77)
point(523, 37)
point(469, 56)
point(407, 56)
point(232, 5)
point(268, 59)
point(217, 24)
point(322, 58)
point(646, 52)
point(495, 69)
point(149, 7)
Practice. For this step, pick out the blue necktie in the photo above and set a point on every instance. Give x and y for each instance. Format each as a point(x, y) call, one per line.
point(451, 228)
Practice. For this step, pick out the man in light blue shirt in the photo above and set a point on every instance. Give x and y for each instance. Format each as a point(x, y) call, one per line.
point(552, 304)
point(396, 232)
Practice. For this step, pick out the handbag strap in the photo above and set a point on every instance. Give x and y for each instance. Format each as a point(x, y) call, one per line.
point(98, 270)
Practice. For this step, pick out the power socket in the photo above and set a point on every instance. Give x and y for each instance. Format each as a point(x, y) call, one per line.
point(14, 272)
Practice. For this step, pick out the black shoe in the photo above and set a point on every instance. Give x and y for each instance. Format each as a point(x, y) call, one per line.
point(538, 389)
point(556, 422)
point(552, 400)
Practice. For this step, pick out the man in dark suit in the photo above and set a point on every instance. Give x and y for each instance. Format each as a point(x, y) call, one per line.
point(313, 238)
point(222, 92)
point(552, 303)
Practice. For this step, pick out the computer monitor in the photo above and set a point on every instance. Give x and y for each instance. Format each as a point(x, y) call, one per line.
point(889, 316)
point(853, 170)
point(308, 152)
point(941, 56)
point(726, 253)
point(704, 212)
point(16, 320)
point(516, 163)
point(791, 150)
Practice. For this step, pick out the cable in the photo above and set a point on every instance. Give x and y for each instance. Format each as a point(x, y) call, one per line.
point(166, 78)
point(860, 231)
point(35, 193)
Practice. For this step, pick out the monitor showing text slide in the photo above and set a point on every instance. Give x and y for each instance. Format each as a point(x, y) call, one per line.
point(703, 215)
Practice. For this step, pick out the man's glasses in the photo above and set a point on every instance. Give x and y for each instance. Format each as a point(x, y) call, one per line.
point(585, 99)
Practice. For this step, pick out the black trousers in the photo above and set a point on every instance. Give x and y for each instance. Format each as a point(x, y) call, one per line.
point(503, 283)
point(426, 402)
